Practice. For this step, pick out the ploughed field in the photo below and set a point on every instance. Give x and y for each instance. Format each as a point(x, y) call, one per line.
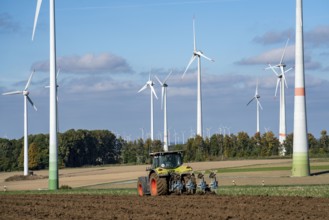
point(68, 206)
point(75, 205)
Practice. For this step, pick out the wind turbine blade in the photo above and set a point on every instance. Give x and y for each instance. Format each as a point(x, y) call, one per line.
point(159, 80)
point(204, 56)
point(258, 103)
point(153, 91)
point(167, 77)
point(29, 81)
point(272, 68)
point(284, 79)
point(250, 101)
point(194, 43)
point(189, 64)
point(288, 70)
point(256, 92)
point(284, 51)
point(13, 93)
point(28, 98)
point(36, 16)
point(58, 72)
point(162, 96)
point(277, 85)
point(144, 87)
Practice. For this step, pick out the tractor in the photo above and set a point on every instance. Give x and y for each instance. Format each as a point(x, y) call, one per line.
point(167, 175)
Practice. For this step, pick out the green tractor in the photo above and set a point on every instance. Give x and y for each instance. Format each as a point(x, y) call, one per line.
point(168, 175)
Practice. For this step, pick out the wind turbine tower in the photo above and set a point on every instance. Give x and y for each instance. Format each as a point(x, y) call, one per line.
point(53, 146)
point(197, 54)
point(300, 159)
point(25, 93)
point(258, 105)
point(281, 81)
point(164, 107)
point(150, 84)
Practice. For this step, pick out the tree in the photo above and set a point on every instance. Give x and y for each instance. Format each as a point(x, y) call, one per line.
point(199, 148)
point(228, 146)
point(256, 144)
point(190, 153)
point(34, 156)
point(216, 145)
point(324, 142)
point(288, 144)
point(243, 147)
point(8, 155)
point(270, 144)
point(312, 144)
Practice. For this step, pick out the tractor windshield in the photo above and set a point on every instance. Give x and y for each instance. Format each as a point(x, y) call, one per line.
point(167, 161)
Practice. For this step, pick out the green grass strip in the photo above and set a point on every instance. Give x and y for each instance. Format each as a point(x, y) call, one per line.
point(264, 169)
point(320, 191)
point(78, 191)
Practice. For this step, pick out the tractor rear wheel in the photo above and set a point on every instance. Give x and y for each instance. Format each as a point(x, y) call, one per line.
point(158, 185)
point(140, 188)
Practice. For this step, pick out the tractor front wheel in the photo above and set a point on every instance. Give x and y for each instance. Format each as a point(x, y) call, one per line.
point(158, 185)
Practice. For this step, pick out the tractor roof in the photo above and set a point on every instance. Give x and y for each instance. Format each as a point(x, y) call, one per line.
point(165, 153)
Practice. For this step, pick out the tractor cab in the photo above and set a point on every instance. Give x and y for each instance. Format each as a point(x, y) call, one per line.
point(167, 160)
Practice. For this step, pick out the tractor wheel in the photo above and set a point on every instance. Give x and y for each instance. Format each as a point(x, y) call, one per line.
point(158, 185)
point(140, 188)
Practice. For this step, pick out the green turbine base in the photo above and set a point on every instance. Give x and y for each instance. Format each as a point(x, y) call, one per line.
point(300, 164)
point(53, 176)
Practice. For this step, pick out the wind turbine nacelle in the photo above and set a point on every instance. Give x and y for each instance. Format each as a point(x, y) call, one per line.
point(281, 64)
point(198, 53)
point(26, 93)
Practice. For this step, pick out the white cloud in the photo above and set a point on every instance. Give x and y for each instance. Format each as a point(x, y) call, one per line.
point(317, 37)
point(88, 64)
point(273, 37)
point(273, 57)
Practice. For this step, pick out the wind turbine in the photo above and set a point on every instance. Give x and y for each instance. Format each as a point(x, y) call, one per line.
point(150, 84)
point(164, 86)
point(53, 147)
point(25, 93)
point(281, 80)
point(197, 54)
point(300, 158)
point(258, 105)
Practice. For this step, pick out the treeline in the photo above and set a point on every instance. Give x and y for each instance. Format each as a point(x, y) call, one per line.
point(78, 148)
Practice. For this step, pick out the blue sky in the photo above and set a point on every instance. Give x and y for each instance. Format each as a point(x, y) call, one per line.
point(106, 50)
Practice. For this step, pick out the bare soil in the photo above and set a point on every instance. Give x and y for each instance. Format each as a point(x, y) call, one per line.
point(163, 207)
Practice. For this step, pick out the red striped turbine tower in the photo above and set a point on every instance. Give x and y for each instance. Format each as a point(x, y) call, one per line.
point(300, 159)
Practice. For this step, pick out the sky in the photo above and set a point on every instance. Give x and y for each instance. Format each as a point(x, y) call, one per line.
point(106, 51)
